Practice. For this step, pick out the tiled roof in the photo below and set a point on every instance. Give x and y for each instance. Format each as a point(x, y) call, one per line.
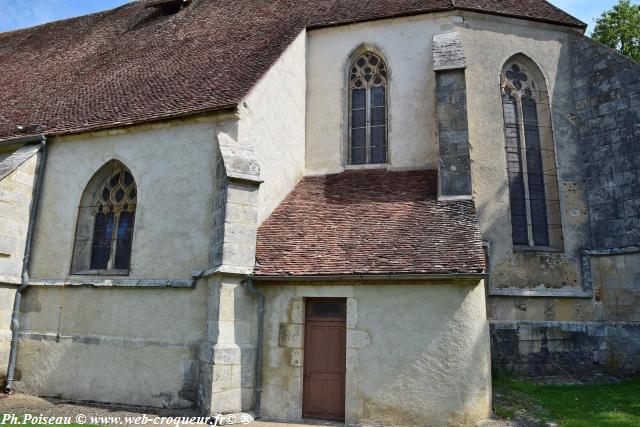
point(131, 64)
point(369, 222)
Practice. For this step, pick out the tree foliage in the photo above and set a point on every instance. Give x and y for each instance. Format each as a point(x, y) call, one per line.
point(619, 28)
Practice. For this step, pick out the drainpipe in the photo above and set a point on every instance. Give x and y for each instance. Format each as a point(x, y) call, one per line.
point(258, 369)
point(26, 264)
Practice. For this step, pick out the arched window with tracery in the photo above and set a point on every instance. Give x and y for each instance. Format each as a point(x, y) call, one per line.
point(531, 163)
point(106, 219)
point(368, 80)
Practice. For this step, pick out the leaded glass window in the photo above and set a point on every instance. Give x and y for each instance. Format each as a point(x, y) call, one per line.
point(368, 78)
point(106, 220)
point(533, 192)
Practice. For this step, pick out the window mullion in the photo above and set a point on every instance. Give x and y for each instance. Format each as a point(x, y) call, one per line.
point(114, 241)
point(368, 126)
point(525, 172)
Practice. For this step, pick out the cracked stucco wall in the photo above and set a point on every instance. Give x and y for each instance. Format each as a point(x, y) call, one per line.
point(417, 354)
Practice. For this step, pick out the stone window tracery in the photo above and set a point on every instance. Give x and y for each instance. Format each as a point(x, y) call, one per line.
point(368, 80)
point(533, 187)
point(106, 222)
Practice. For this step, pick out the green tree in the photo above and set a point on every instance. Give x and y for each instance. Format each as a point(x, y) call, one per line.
point(619, 28)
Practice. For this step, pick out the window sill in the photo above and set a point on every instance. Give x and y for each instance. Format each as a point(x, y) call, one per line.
point(367, 166)
point(518, 248)
point(101, 273)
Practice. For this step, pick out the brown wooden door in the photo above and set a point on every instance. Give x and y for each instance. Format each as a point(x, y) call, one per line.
point(324, 359)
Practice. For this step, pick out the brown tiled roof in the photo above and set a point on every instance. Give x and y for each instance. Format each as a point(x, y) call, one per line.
point(369, 222)
point(131, 64)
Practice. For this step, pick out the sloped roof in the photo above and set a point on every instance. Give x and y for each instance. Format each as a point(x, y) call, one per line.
point(369, 222)
point(131, 64)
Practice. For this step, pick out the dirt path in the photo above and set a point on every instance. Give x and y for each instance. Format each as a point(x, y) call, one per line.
point(93, 413)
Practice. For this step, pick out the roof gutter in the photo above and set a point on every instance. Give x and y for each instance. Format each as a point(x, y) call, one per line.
point(26, 260)
point(371, 277)
point(22, 140)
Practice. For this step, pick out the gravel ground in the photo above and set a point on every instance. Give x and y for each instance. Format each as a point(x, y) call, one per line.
point(21, 404)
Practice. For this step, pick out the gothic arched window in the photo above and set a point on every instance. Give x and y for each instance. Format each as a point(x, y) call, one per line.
point(105, 223)
point(531, 164)
point(368, 79)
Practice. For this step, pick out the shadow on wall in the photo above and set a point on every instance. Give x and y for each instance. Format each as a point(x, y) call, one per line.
point(451, 379)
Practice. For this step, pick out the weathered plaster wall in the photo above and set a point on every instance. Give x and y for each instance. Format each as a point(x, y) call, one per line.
point(124, 344)
point(417, 354)
point(272, 121)
point(406, 46)
point(175, 196)
point(132, 346)
point(489, 42)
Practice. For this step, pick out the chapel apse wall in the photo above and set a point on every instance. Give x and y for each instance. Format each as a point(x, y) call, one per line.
point(526, 284)
point(405, 44)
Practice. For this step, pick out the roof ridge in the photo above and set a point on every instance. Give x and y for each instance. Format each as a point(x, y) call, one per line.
point(563, 11)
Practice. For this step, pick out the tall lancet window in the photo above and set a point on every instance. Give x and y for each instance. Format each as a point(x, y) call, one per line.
point(368, 80)
point(106, 219)
point(531, 164)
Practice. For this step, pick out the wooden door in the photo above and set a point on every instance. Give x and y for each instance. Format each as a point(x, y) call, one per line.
point(324, 359)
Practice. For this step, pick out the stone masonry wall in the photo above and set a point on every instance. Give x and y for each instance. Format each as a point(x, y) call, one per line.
point(599, 334)
point(561, 348)
point(607, 93)
point(453, 134)
point(15, 199)
point(453, 122)
point(618, 286)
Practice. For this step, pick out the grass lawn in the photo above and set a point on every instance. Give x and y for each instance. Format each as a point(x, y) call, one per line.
point(571, 405)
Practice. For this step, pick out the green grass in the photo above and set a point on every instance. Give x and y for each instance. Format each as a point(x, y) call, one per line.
point(599, 405)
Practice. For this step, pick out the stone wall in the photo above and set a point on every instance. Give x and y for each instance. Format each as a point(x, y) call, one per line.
point(618, 286)
point(16, 190)
point(539, 284)
point(17, 172)
point(565, 348)
point(454, 170)
point(607, 93)
point(453, 134)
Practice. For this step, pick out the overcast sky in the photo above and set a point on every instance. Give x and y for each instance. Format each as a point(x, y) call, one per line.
point(16, 14)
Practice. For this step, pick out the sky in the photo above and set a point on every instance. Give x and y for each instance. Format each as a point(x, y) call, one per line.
point(16, 14)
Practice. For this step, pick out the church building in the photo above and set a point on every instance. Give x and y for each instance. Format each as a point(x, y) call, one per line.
point(327, 209)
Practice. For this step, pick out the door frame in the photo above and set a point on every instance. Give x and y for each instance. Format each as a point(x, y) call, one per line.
point(335, 320)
